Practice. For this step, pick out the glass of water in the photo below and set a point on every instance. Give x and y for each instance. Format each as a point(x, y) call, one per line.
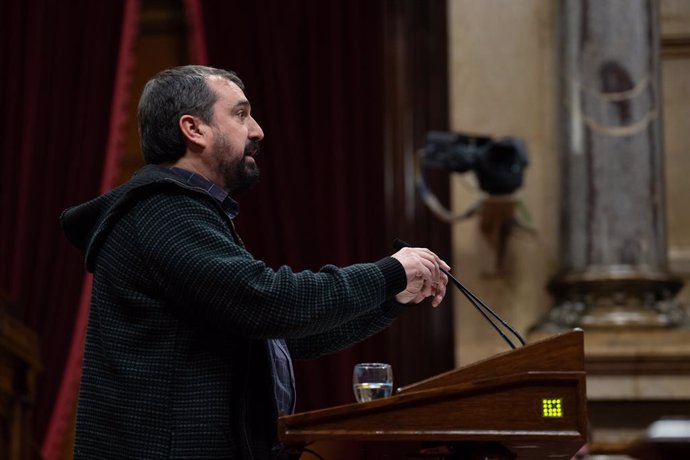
point(372, 381)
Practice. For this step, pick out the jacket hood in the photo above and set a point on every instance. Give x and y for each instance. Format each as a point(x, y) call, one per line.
point(87, 224)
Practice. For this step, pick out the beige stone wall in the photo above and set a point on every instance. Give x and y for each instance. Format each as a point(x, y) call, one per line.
point(503, 57)
point(503, 82)
point(675, 30)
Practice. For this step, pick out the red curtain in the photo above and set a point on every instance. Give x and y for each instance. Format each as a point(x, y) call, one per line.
point(314, 75)
point(60, 71)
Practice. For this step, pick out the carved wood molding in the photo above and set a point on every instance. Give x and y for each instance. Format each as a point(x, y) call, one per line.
point(416, 100)
point(675, 47)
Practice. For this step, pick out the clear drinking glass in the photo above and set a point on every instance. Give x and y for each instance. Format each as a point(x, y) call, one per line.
point(372, 381)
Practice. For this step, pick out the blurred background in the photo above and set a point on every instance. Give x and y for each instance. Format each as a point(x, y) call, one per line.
point(597, 235)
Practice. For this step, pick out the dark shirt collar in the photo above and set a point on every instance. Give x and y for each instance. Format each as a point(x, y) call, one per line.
point(230, 206)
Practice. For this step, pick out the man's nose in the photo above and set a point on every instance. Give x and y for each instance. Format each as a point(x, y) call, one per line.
point(255, 131)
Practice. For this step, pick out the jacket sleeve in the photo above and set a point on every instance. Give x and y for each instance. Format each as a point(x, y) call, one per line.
point(348, 334)
point(194, 262)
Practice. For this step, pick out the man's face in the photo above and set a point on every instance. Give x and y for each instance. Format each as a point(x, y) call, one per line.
point(236, 137)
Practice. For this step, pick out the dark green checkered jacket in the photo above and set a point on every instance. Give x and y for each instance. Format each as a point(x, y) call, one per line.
point(176, 363)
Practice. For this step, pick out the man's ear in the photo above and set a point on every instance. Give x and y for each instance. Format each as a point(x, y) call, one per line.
point(194, 130)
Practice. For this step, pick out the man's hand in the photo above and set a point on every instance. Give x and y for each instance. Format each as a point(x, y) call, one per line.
point(424, 277)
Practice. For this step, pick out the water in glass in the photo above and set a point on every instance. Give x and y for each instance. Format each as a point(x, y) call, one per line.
point(372, 381)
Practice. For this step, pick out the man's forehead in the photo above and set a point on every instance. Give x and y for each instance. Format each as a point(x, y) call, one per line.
point(220, 79)
point(225, 86)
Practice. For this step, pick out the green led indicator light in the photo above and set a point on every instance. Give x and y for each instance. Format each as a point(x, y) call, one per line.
point(552, 407)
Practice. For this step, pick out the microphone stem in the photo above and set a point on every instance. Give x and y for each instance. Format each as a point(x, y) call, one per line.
point(476, 303)
point(483, 309)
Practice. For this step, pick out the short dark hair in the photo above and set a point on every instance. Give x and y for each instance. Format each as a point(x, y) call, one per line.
point(165, 98)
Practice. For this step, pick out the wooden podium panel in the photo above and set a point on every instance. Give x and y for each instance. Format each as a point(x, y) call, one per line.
point(530, 402)
point(19, 365)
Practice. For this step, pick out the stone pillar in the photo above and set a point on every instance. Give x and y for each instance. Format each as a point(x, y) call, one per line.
point(614, 264)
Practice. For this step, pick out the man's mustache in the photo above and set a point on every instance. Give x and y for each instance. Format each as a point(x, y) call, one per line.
point(252, 148)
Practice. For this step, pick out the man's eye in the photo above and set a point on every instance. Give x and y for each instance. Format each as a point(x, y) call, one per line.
point(242, 114)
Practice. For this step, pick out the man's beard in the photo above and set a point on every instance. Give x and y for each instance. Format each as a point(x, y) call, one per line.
point(240, 174)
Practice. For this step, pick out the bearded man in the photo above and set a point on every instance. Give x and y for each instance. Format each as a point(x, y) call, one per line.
point(190, 339)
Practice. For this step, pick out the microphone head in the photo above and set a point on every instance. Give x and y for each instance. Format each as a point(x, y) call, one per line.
point(398, 244)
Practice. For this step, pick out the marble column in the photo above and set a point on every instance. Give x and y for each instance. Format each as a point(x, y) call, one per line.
point(613, 236)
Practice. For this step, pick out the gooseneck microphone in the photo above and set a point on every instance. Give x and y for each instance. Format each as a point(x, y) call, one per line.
point(475, 301)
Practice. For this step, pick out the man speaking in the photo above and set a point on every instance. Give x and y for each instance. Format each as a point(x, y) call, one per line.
point(190, 339)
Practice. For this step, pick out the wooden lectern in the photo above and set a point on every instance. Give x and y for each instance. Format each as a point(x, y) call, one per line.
point(528, 403)
point(19, 365)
